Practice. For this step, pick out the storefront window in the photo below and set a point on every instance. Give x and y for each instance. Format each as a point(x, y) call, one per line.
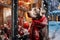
point(24, 21)
point(5, 19)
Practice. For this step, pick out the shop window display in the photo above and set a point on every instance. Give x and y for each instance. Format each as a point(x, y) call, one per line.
point(5, 20)
point(26, 20)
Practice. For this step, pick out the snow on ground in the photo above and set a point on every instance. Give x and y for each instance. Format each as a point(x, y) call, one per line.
point(54, 30)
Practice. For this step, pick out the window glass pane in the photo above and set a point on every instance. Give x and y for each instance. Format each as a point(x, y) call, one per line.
point(5, 19)
point(27, 18)
point(54, 19)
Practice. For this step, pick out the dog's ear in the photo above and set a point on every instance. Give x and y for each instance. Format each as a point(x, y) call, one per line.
point(39, 3)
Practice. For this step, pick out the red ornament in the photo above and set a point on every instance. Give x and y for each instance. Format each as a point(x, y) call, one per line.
point(6, 38)
point(26, 25)
point(27, 0)
point(20, 3)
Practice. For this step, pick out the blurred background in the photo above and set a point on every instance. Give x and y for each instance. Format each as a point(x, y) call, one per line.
point(5, 19)
point(54, 19)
